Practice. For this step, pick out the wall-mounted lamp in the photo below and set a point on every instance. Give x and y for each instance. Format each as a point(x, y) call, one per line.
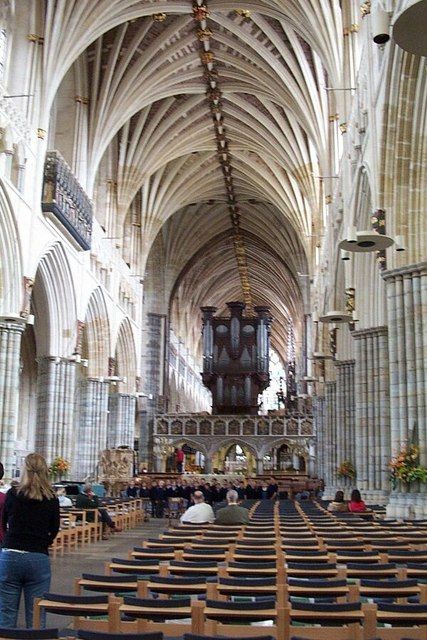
point(400, 243)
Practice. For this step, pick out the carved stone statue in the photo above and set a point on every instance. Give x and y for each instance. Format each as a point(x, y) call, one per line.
point(115, 469)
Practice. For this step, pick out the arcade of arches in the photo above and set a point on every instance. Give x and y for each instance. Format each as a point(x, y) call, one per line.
point(157, 159)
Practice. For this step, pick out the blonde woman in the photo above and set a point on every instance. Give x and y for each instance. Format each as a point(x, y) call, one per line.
point(31, 522)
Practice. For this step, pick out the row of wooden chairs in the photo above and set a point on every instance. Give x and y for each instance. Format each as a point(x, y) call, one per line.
point(81, 527)
point(344, 620)
point(254, 561)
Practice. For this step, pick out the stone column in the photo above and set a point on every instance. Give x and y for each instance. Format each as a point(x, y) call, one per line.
point(154, 359)
point(121, 420)
point(92, 428)
point(345, 415)
point(406, 291)
point(208, 464)
point(321, 441)
point(56, 384)
point(10, 347)
point(330, 461)
point(372, 413)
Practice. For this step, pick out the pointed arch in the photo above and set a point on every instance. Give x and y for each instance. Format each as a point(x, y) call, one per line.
point(54, 304)
point(10, 258)
point(229, 442)
point(125, 356)
point(97, 337)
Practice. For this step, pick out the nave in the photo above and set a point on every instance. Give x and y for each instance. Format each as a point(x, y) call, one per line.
point(296, 568)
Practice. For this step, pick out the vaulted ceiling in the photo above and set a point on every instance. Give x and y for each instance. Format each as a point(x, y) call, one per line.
point(149, 70)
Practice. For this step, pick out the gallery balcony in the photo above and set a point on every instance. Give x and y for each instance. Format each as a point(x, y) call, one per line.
point(262, 427)
point(65, 202)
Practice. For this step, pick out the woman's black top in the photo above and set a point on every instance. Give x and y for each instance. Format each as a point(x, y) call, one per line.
point(32, 525)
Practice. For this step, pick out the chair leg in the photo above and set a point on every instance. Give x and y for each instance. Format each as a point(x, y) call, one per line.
point(36, 613)
point(197, 617)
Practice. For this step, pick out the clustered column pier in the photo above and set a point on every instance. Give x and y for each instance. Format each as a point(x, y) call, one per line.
point(10, 346)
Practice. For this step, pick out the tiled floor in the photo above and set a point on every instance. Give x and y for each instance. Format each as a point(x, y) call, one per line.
point(91, 559)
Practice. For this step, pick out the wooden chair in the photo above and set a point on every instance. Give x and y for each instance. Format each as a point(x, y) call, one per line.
point(305, 543)
point(29, 634)
point(58, 545)
point(154, 543)
point(124, 565)
point(318, 588)
point(256, 543)
point(188, 568)
point(305, 555)
point(251, 569)
point(88, 525)
point(407, 555)
point(143, 615)
point(415, 570)
point(341, 621)
point(102, 635)
point(405, 620)
point(205, 543)
point(216, 554)
point(105, 584)
point(312, 569)
point(229, 536)
point(196, 636)
point(228, 587)
point(391, 589)
point(377, 570)
point(172, 585)
point(160, 553)
point(335, 544)
point(350, 555)
point(254, 555)
point(80, 608)
point(233, 619)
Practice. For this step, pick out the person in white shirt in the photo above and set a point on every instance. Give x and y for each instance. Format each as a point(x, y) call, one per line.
point(64, 501)
point(199, 512)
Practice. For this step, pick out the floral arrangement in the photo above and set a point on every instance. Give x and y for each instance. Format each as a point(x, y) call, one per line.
point(346, 470)
point(59, 467)
point(405, 466)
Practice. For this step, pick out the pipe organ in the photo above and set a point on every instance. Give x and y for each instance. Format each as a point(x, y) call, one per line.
point(236, 358)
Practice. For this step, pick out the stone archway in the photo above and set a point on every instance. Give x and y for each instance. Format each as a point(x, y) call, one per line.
point(221, 450)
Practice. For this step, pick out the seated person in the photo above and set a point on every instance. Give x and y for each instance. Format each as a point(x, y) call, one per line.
point(303, 495)
point(250, 490)
point(338, 504)
point(356, 504)
point(158, 498)
point(132, 490)
point(199, 512)
point(64, 501)
point(88, 500)
point(262, 491)
point(232, 513)
point(272, 488)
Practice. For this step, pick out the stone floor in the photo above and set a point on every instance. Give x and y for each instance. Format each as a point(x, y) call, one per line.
point(91, 559)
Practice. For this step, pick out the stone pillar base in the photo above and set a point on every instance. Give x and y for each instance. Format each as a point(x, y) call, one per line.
point(407, 505)
point(329, 492)
point(376, 497)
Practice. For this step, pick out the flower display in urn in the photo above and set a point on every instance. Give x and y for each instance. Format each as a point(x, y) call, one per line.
point(405, 467)
point(59, 468)
point(346, 470)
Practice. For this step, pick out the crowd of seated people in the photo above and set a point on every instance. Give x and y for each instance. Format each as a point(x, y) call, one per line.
point(158, 492)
